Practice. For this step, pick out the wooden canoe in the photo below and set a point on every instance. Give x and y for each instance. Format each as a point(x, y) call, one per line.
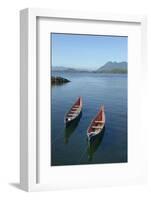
point(97, 124)
point(74, 112)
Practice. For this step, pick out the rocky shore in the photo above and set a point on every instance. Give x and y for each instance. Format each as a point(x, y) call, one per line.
point(58, 80)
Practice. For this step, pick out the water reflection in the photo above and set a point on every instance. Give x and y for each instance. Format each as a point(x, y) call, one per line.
point(94, 144)
point(68, 131)
point(58, 85)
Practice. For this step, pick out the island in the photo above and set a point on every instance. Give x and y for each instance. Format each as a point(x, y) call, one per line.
point(58, 80)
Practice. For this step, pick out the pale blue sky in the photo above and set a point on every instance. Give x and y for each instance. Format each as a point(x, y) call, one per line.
point(87, 51)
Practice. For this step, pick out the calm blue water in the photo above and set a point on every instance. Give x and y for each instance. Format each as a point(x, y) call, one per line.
point(70, 146)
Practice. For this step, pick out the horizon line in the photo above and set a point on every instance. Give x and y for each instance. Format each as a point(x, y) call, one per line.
point(75, 67)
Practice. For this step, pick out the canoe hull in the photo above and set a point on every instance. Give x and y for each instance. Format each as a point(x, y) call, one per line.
point(92, 137)
point(97, 124)
point(69, 123)
point(74, 113)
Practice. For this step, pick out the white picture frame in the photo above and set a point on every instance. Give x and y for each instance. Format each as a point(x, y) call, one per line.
point(29, 110)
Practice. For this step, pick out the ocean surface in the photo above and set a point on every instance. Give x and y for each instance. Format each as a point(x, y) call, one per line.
point(69, 146)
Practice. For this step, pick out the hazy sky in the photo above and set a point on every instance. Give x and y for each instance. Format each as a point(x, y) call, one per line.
point(87, 51)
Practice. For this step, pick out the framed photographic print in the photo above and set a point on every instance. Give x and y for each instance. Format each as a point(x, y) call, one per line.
point(81, 89)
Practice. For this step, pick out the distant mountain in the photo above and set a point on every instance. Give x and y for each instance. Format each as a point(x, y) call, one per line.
point(67, 69)
point(109, 67)
point(62, 69)
point(113, 67)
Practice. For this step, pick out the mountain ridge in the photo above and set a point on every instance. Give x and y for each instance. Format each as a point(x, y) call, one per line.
point(113, 67)
point(109, 67)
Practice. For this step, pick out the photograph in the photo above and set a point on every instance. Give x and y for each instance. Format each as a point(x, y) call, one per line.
point(89, 99)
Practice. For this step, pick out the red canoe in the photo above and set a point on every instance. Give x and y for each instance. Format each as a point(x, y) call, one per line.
point(97, 124)
point(74, 112)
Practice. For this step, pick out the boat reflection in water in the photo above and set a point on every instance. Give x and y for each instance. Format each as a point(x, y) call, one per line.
point(68, 131)
point(94, 144)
